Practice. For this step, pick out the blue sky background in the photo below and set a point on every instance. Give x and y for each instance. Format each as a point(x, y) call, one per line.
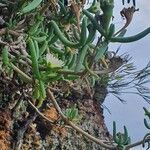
point(131, 114)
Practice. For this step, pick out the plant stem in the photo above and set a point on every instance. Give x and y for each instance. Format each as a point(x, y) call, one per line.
point(39, 113)
point(92, 138)
point(133, 145)
point(21, 73)
point(131, 38)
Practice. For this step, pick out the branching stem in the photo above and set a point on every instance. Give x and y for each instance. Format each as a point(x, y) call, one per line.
point(92, 138)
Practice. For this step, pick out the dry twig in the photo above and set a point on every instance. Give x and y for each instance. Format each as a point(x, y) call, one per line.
point(39, 113)
point(50, 94)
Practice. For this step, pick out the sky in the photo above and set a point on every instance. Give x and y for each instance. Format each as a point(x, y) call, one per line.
point(131, 114)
